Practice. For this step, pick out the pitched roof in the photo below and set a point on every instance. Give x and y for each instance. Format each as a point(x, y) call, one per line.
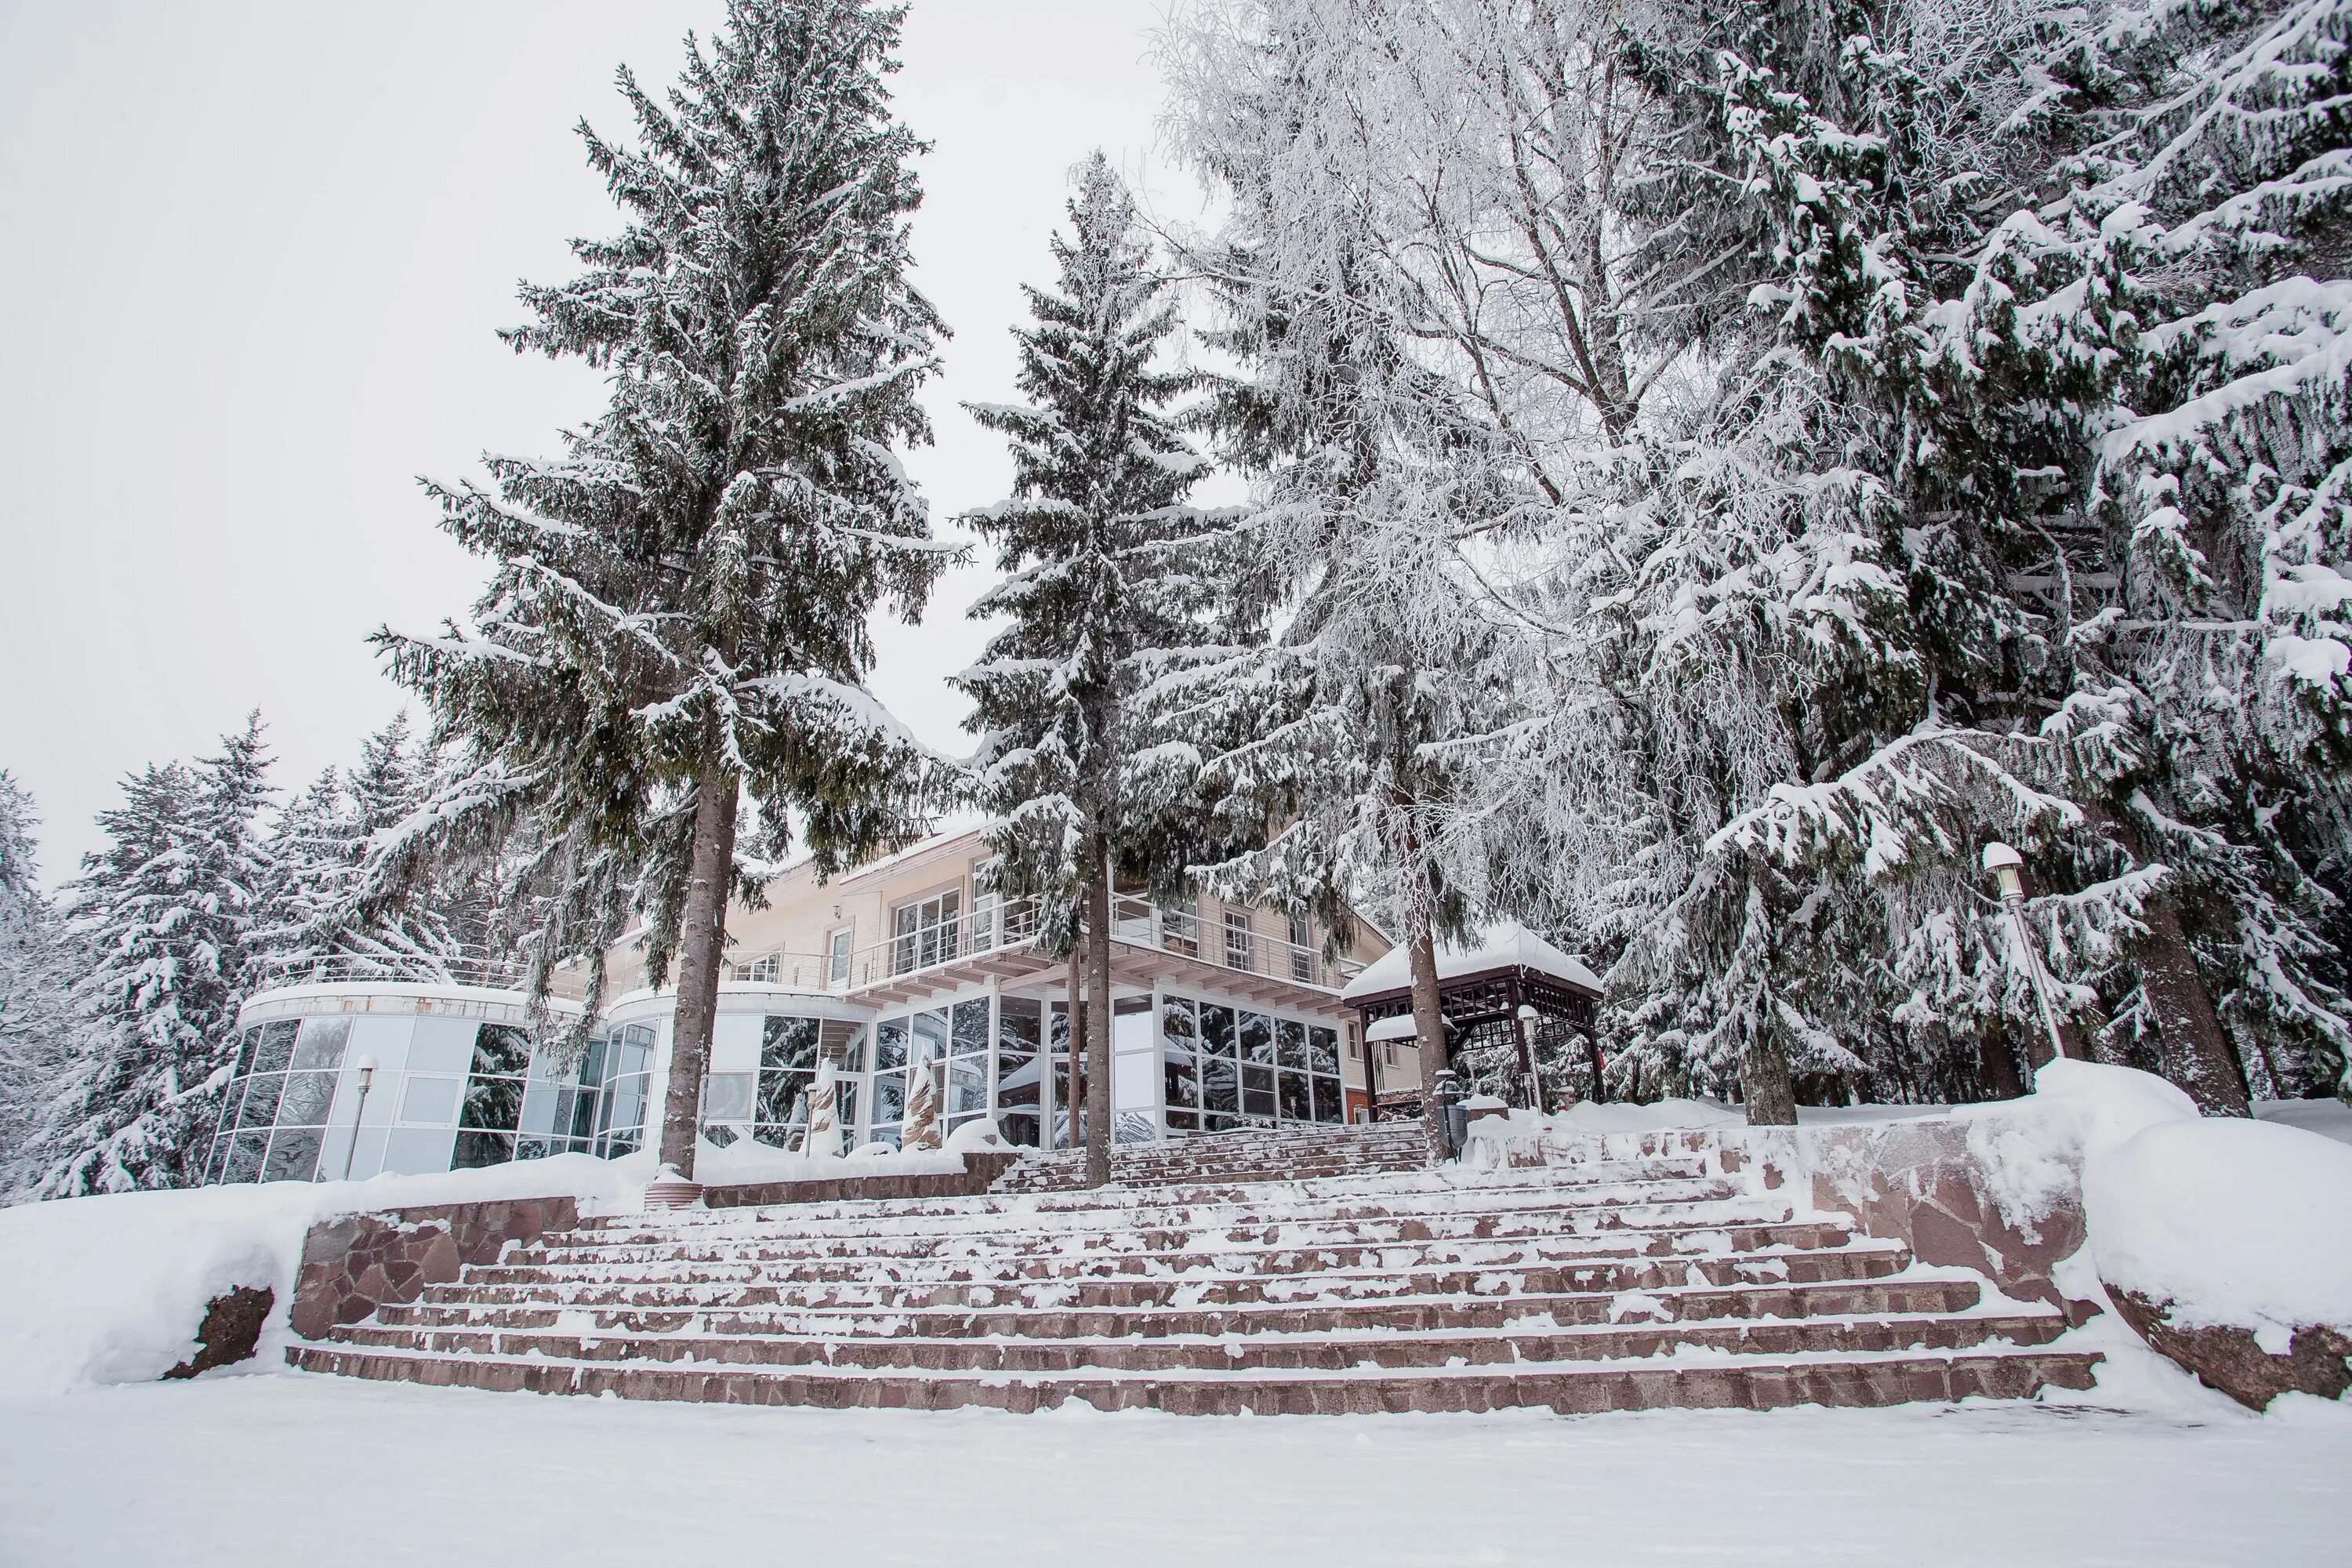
point(1504, 945)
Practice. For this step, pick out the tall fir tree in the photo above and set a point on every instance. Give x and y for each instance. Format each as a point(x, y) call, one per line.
point(1111, 579)
point(42, 1023)
point(679, 605)
point(325, 910)
point(166, 914)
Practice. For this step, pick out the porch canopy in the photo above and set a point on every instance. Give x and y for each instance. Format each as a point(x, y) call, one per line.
point(1485, 989)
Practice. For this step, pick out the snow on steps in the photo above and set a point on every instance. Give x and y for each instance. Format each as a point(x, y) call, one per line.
point(1208, 1286)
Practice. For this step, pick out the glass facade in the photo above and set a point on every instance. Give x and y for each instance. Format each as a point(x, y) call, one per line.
point(769, 1104)
point(446, 1093)
point(452, 1092)
point(1224, 1066)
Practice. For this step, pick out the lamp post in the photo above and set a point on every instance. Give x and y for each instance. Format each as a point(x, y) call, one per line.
point(2008, 868)
point(367, 1079)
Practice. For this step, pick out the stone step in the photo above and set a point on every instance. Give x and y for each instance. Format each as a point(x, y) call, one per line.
point(1418, 1190)
point(1673, 1304)
point(1694, 1379)
point(925, 1217)
point(1281, 1258)
point(1862, 1259)
point(1211, 1232)
point(1260, 1352)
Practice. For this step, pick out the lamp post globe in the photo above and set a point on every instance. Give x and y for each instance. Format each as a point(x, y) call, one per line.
point(2007, 867)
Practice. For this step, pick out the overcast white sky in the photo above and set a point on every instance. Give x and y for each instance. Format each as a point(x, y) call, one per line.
point(255, 254)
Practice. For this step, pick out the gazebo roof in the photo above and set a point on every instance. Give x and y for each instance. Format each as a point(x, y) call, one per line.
point(1505, 945)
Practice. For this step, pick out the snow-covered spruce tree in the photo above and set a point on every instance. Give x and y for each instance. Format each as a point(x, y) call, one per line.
point(678, 608)
point(42, 1024)
point(2206, 179)
point(1980, 351)
point(1111, 579)
point(166, 912)
point(322, 911)
point(1334, 747)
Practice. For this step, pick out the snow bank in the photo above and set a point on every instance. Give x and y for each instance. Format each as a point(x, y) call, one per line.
point(2109, 1105)
point(1619, 1116)
point(111, 1290)
point(743, 1163)
point(2329, 1117)
point(2238, 1224)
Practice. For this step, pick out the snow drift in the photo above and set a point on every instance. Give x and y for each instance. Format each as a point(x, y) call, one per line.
point(2236, 1224)
point(111, 1290)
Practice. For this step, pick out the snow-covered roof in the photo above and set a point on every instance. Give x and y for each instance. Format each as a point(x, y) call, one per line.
point(1397, 1028)
point(1505, 945)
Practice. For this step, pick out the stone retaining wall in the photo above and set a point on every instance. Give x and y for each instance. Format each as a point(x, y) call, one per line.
point(1953, 1189)
point(981, 1169)
point(353, 1265)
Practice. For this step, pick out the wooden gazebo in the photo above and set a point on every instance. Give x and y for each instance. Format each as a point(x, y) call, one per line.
point(1519, 1020)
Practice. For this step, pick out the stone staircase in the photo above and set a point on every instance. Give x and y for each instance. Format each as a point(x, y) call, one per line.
point(1260, 1154)
point(1210, 1285)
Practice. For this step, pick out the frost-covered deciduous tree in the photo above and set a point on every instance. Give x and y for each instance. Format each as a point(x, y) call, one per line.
point(1110, 580)
point(1339, 748)
point(679, 606)
point(42, 1023)
point(166, 912)
point(1881, 405)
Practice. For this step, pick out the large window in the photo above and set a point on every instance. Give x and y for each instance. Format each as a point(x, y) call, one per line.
point(1223, 1067)
point(924, 933)
point(1020, 1076)
point(1239, 945)
point(280, 1102)
point(967, 1068)
point(445, 1093)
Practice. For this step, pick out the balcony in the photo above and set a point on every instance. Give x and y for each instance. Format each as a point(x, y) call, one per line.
point(998, 940)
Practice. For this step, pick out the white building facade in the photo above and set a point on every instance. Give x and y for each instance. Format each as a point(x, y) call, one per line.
point(1221, 1017)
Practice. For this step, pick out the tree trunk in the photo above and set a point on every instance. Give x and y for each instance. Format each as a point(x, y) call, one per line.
point(2195, 1051)
point(1428, 1018)
point(1765, 1083)
point(1997, 1064)
point(702, 938)
point(1072, 1040)
point(1098, 1128)
point(2197, 1054)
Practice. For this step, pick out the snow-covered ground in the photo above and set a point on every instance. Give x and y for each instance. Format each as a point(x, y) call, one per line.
point(264, 1470)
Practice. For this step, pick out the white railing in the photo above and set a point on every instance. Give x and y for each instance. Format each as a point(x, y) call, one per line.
point(474, 969)
point(1014, 924)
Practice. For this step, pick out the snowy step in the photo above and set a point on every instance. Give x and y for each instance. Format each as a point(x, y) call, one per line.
point(1422, 1187)
point(878, 1219)
point(1420, 1314)
point(1858, 1260)
point(1694, 1378)
point(1282, 1258)
point(1160, 1234)
point(1308, 1351)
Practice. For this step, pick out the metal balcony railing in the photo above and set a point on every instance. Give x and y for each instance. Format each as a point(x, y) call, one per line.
point(471, 968)
point(995, 927)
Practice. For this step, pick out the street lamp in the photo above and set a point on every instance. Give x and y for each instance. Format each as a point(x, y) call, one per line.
point(2008, 868)
point(367, 1078)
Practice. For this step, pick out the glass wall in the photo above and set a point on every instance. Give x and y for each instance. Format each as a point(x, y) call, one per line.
point(1224, 1066)
point(1195, 1066)
point(769, 1104)
point(446, 1093)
